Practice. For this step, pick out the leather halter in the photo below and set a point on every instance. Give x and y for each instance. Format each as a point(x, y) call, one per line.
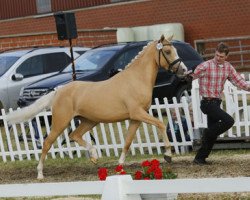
point(170, 64)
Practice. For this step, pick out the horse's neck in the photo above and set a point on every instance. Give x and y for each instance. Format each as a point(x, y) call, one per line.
point(145, 67)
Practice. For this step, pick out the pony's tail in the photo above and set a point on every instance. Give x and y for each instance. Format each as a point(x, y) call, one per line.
point(26, 113)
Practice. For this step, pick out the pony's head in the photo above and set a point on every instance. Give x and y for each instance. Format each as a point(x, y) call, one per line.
point(167, 56)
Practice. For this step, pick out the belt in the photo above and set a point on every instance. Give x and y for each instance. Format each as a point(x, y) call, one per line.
point(211, 99)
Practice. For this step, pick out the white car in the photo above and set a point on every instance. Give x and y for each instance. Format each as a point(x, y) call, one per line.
point(19, 68)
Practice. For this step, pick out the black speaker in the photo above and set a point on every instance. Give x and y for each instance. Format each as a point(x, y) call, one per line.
point(65, 25)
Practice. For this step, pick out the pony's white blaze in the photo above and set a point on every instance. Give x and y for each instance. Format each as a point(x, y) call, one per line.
point(181, 67)
point(104, 101)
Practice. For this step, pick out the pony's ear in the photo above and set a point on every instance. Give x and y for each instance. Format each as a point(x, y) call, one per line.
point(162, 38)
point(170, 38)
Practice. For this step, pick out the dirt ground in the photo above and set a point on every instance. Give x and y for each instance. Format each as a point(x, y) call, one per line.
point(224, 164)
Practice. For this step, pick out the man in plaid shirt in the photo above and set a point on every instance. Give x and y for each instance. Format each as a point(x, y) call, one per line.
point(212, 75)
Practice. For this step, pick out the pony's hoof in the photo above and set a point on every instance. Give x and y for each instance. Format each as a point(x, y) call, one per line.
point(168, 159)
point(40, 177)
point(93, 153)
point(120, 163)
point(93, 160)
point(122, 159)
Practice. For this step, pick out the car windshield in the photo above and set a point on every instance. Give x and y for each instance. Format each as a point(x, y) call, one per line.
point(6, 62)
point(91, 60)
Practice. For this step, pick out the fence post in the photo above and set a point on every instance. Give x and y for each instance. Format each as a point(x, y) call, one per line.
point(115, 188)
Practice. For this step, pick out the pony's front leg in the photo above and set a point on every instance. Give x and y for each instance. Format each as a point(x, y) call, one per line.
point(77, 134)
point(168, 153)
point(92, 150)
point(133, 126)
point(142, 115)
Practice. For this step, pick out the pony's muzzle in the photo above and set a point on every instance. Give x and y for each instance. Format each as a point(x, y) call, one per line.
point(181, 69)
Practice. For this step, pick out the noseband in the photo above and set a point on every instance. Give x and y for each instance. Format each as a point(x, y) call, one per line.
point(170, 64)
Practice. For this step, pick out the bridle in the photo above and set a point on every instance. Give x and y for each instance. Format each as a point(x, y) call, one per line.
point(171, 64)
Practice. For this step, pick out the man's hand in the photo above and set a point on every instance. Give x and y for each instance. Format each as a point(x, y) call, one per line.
point(188, 72)
point(187, 76)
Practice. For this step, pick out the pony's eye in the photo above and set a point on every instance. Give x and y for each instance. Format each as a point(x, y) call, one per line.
point(168, 52)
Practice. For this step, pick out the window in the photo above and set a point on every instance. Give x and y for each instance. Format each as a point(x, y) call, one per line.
point(80, 52)
point(6, 62)
point(43, 64)
point(92, 60)
point(126, 58)
point(43, 6)
point(31, 67)
point(55, 62)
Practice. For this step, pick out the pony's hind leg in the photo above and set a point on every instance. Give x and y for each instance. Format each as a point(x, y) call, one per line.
point(59, 122)
point(133, 126)
point(77, 134)
point(50, 139)
point(143, 116)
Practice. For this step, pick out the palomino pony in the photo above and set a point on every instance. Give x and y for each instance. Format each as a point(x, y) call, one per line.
point(126, 95)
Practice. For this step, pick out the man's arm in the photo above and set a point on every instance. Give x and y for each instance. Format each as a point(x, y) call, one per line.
point(199, 71)
point(238, 80)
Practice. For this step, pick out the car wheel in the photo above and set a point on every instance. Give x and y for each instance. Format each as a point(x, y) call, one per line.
point(184, 90)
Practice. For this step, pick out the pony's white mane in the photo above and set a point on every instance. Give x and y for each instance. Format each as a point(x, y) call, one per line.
point(139, 55)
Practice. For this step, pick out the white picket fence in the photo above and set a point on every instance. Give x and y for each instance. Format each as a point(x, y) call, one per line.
point(21, 141)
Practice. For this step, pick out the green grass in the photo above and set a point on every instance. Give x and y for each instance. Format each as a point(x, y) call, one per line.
point(105, 161)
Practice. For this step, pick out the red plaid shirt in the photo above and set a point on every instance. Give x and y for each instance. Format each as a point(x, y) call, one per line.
point(212, 78)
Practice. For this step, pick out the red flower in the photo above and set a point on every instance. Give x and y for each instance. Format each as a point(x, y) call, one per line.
point(122, 172)
point(154, 167)
point(158, 173)
point(138, 175)
point(150, 170)
point(155, 163)
point(102, 173)
point(119, 168)
point(145, 163)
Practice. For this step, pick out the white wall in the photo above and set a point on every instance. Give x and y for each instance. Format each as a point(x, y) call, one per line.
point(153, 32)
